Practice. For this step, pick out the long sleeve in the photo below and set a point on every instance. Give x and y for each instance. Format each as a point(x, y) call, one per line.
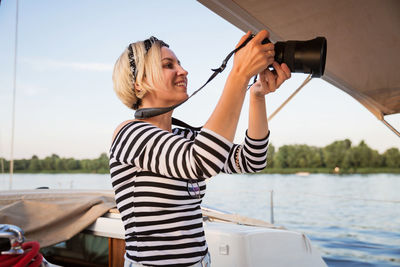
point(249, 157)
point(149, 148)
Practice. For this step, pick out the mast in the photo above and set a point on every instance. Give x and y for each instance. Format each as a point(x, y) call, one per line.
point(14, 96)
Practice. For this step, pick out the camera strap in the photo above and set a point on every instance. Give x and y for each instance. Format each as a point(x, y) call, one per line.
point(145, 113)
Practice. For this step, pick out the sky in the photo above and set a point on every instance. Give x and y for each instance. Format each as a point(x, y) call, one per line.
point(65, 103)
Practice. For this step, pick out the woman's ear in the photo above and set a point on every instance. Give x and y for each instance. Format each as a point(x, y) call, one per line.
point(138, 89)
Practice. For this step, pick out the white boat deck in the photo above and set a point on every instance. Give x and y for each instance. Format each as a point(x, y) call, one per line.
point(237, 245)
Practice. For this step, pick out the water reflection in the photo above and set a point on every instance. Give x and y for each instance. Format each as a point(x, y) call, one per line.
point(352, 219)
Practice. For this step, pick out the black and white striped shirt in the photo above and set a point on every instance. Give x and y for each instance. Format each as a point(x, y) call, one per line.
point(156, 175)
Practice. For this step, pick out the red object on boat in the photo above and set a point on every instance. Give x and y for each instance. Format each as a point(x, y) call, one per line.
point(30, 258)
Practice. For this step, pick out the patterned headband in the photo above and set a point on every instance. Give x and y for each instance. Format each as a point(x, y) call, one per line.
point(148, 43)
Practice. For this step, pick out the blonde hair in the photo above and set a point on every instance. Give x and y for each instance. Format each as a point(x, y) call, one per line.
point(148, 73)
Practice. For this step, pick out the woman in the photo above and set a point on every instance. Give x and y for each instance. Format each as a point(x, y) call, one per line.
point(158, 173)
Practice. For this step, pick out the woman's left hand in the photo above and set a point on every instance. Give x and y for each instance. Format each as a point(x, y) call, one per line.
point(269, 81)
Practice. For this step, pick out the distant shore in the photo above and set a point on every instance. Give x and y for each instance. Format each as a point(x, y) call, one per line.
point(300, 171)
point(340, 157)
point(330, 171)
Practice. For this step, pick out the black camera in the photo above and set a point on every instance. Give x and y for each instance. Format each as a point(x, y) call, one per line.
point(302, 56)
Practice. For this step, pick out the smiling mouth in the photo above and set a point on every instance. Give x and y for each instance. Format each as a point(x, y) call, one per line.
point(181, 84)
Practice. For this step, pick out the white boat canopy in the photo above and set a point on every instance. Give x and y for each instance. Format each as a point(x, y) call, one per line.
point(363, 57)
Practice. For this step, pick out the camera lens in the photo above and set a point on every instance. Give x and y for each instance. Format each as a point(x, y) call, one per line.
point(303, 56)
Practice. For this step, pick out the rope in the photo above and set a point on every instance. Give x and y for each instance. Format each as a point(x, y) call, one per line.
point(14, 96)
point(290, 97)
point(307, 243)
point(391, 127)
point(30, 258)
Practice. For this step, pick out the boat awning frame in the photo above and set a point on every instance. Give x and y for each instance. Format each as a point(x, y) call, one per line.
point(363, 41)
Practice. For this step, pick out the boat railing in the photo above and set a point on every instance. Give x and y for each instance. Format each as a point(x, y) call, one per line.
point(15, 237)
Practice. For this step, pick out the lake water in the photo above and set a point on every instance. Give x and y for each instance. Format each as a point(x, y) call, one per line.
point(354, 220)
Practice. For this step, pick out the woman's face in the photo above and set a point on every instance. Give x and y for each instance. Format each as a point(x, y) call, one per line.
point(174, 88)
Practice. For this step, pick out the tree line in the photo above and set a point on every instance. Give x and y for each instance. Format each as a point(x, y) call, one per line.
point(55, 163)
point(339, 154)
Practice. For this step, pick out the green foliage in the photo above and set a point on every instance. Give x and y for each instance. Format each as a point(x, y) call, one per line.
point(338, 154)
point(391, 158)
point(334, 153)
point(298, 156)
point(20, 165)
point(56, 164)
point(34, 164)
point(362, 156)
point(270, 156)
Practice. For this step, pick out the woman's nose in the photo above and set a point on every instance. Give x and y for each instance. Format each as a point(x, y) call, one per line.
point(182, 71)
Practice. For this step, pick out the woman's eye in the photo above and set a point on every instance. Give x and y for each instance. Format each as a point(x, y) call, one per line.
point(168, 66)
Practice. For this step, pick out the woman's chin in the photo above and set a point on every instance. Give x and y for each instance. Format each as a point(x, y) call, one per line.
point(182, 97)
point(177, 100)
point(180, 100)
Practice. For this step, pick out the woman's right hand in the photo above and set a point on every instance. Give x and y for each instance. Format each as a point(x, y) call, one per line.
point(254, 57)
point(250, 60)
